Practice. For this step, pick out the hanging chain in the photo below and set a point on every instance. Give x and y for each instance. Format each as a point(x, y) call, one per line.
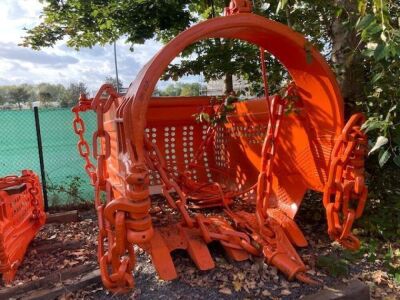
point(345, 191)
point(118, 260)
point(34, 191)
point(275, 110)
point(84, 105)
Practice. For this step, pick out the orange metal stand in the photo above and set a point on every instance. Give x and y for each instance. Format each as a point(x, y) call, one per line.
point(21, 217)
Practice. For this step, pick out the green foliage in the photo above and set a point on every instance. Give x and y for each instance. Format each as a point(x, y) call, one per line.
point(378, 28)
point(87, 23)
point(226, 106)
point(18, 94)
point(334, 265)
point(44, 98)
point(392, 262)
point(72, 94)
point(67, 192)
point(374, 250)
point(181, 89)
point(382, 210)
point(43, 92)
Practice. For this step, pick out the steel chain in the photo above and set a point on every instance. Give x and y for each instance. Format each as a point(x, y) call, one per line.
point(28, 178)
point(83, 105)
point(117, 262)
point(345, 192)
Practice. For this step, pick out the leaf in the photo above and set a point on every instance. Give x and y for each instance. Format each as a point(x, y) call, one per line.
point(396, 160)
point(393, 108)
point(237, 285)
point(384, 157)
point(226, 291)
point(380, 141)
point(383, 37)
point(333, 265)
point(266, 293)
point(362, 6)
point(379, 52)
point(365, 22)
point(338, 12)
point(371, 46)
point(377, 77)
point(281, 5)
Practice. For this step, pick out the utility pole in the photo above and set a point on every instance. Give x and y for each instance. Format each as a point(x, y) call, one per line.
point(116, 65)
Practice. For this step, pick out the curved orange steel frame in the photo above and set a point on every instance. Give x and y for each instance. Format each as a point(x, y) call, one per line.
point(315, 81)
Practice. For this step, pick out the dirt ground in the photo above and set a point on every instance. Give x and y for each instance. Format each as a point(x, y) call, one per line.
point(229, 280)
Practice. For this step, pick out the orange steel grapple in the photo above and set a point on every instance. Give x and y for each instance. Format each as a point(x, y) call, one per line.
point(21, 217)
point(263, 156)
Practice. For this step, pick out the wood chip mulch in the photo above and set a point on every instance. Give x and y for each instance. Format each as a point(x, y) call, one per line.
point(62, 246)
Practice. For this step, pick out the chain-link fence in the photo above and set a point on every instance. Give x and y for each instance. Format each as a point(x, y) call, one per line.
point(66, 179)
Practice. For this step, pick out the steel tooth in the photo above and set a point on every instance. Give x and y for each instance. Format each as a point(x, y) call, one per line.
point(232, 253)
point(303, 277)
point(161, 257)
point(290, 227)
point(197, 248)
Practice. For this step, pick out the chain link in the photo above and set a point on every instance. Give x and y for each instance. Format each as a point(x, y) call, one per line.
point(84, 105)
point(345, 192)
point(124, 220)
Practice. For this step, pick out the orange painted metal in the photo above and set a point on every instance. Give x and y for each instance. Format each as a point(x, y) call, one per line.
point(21, 217)
point(263, 156)
point(238, 6)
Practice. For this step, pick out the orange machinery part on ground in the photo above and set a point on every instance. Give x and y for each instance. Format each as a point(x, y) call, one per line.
point(21, 217)
point(261, 156)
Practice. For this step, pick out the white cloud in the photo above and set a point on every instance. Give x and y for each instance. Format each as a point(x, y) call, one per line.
point(61, 64)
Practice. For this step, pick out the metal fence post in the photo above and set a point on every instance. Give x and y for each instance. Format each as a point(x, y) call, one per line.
point(41, 160)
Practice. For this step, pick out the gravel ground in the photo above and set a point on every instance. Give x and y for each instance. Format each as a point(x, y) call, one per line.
point(229, 280)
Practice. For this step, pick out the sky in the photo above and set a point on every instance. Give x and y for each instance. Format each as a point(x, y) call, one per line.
point(61, 64)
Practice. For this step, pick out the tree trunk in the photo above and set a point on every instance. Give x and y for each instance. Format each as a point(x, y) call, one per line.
point(346, 58)
point(228, 83)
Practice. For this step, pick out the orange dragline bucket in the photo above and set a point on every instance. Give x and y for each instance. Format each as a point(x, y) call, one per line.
point(21, 217)
point(260, 156)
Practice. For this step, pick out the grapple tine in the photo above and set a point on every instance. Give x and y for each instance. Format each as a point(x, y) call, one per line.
point(303, 277)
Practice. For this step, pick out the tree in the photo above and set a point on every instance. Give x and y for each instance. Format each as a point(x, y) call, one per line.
point(181, 89)
point(73, 93)
point(44, 97)
point(171, 90)
point(2, 99)
point(87, 23)
point(190, 89)
point(57, 91)
point(361, 39)
point(19, 95)
point(113, 81)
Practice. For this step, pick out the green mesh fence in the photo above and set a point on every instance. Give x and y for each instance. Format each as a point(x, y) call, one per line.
point(66, 179)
